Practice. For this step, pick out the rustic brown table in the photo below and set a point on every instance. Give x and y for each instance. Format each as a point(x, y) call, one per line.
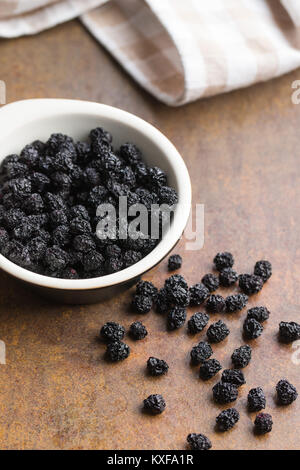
point(242, 150)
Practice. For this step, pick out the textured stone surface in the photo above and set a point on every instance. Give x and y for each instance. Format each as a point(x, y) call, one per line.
point(242, 150)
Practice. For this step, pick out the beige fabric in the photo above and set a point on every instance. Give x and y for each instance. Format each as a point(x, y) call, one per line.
point(178, 50)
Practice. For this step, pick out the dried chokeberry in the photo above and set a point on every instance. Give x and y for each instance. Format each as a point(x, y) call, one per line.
point(198, 442)
point(241, 356)
point(154, 404)
point(211, 282)
point(198, 294)
point(250, 283)
point(224, 392)
point(263, 269)
point(227, 419)
point(289, 331)
point(223, 260)
point(142, 303)
point(252, 328)
point(228, 277)
point(137, 330)
point(146, 288)
point(209, 369)
point(236, 302)
point(260, 314)
point(201, 352)
point(286, 392)
point(263, 423)
point(56, 258)
point(256, 399)
point(117, 351)
point(176, 318)
point(156, 366)
point(174, 262)
point(112, 331)
point(161, 300)
point(197, 322)
point(233, 376)
point(217, 332)
point(215, 304)
point(177, 290)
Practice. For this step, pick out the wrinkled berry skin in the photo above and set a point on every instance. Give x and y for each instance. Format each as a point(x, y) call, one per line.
point(117, 351)
point(142, 303)
point(161, 300)
point(146, 288)
point(201, 352)
point(155, 404)
point(225, 393)
point(217, 332)
point(286, 392)
point(263, 269)
point(215, 304)
point(174, 262)
point(197, 322)
point(228, 277)
point(198, 294)
point(263, 423)
point(176, 318)
point(137, 330)
point(177, 290)
point(223, 260)
point(260, 314)
point(112, 331)
point(250, 283)
point(252, 328)
point(236, 302)
point(256, 399)
point(241, 356)
point(227, 419)
point(156, 366)
point(289, 331)
point(198, 442)
point(209, 369)
point(233, 376)
point(211, 282)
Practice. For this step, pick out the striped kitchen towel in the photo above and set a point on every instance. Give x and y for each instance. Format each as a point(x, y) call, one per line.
point(178, 50)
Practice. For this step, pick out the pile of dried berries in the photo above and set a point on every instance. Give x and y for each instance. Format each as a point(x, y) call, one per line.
point(49, 196)
point(172, 299)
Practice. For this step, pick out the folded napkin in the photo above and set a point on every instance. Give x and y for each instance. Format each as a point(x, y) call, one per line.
point(178, 50)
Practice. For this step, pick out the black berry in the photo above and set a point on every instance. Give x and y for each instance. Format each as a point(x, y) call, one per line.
point(263, 423)
point(260, 314)
point(233, 376)
point(142, 303)
point(156, 366)
point(224, 393)
point(211, 282)
point(228, 277)
point(197, 322)
point(241, 356)
point(256, 399)
point(201, 352)
point(286, 392)
point(227, 419)
point(117, 351)
point(217, 332)
point(112, 331)
point(223, 260)
point(199, 442)
point(252, 328)
point(215, 304)
point(236, 302)
point(155, 404)
point(263, 269)
point(198, 294)
point(289, 331)
point(209, 369)
point(250, 283)
point(176, 318)
point(146, 288)
point(175, 262)
point(137, 330)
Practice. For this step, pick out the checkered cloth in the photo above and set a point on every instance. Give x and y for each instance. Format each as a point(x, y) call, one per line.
point(178, 50)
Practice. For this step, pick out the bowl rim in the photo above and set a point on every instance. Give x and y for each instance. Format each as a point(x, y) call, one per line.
point(14, 114)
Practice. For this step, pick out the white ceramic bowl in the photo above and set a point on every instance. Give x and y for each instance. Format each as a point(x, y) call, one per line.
point(24, 121)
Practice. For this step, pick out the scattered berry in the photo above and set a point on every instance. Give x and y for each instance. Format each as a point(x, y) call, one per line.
point(233, 376)
point(162, 304)
point(137, 330)
point(236, 302)
point(198, 442)
point(289, 331)
point(250, 283)
point(177, 290)
point(263, 423)
point(117, 351)
point(252, 328)
point(217, 332)
point(223, 260)
point(142, 303)
point(227, 419)
point(146, 288)
point(228, 277)
point(241, 356)
point(260, 314)
point(209, 369)
point(197, 322)
point(155, 404)
point(198, 294)
point(256, 399)
point(211, 282)
point(112, 331)
point(263, 269)
point(286, 392)
point(176, 318)
point(157, 366)
point(215, 304)
point(175, 262)
point(225, 393)
point(201, 352)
